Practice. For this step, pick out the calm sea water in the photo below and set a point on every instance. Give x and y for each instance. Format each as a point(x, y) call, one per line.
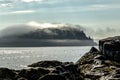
point(20, 57)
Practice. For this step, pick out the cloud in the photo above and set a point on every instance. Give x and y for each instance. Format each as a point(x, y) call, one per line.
point(100, 7)
point(16, 30)
point(21, 12)
point(45, 25)
point(31, 0)
point(32, 26)
point(100, 33)
point(5, 5)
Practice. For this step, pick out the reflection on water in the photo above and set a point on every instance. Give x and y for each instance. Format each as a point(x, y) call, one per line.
point(20, 57)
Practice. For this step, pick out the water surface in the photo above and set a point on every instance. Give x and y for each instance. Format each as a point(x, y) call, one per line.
point(20, 57)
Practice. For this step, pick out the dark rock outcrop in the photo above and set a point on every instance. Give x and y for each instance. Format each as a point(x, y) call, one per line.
point(102, 64)
point(110, 47)
point(46, 64)
point(43, 70)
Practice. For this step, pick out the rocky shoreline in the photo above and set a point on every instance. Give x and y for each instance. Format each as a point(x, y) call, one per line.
point(102, 64)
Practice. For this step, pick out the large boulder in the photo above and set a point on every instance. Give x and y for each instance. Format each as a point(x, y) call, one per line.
point(110, 47)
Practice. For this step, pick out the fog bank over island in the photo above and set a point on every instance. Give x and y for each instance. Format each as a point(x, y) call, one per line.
point(44, 34)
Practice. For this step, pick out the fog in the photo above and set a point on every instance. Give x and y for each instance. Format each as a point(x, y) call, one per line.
point(31, 26)
point(97, 33)
point(16, 30)
point(103, 32)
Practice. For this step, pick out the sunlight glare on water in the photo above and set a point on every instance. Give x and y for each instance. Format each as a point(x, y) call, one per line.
point(20, 57)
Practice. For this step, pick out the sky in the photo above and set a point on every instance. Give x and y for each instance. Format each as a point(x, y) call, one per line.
point(100, 17)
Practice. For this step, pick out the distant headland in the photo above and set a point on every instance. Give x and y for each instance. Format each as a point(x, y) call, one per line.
point(36, 36)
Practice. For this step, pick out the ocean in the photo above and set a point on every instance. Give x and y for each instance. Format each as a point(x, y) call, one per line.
point(20, 57)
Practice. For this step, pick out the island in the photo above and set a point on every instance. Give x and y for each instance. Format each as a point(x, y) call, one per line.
point(27, 36)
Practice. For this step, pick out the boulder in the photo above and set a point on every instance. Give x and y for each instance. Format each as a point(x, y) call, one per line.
point(46, 64)
point(112, 50)
point(6, 73)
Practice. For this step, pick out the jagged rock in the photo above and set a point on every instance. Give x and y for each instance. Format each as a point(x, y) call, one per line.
point(100, 57)
point(101, 42)
point(49, 70)
point(93, 49)
point(110, 47)
point(112, 50)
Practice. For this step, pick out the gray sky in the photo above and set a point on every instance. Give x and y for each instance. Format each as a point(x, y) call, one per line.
point(101, 17)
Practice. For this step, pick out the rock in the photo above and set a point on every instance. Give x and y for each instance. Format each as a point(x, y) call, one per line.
point(93, 49)
point(103, 64)
point(6, 73)
point(118, 71)
point(46, 64)
point(112, 50)
point(50, 70)
point(52, 77)
point(100, 57)
point(22, 78)
point(33, 74)
point(101, 42)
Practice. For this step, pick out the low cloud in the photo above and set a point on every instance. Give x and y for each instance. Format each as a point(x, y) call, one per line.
point(100, 33)
point(32, 26)
point(5, 5)
point(21, 12)
point(100, 7)
point(16, 30)
point(31, 0)
point(97, 33)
